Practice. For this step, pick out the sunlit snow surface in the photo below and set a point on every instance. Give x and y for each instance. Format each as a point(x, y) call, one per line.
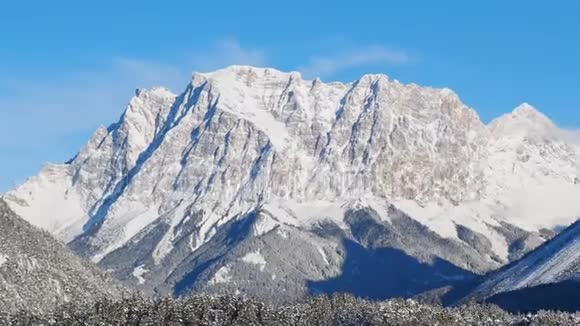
point(138, 273)
point(255, 258)
point(221, 276)
point(3, 259)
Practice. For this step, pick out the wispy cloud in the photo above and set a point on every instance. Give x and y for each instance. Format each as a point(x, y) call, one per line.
point(228, 52)
point(324, 66)
point(148, 73)
point(572, 136)
point(83, 100)
point(49, 121)
point(97, 96)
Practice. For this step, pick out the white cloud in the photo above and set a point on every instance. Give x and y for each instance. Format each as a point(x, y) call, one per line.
point(149, 73)
point(321, 66)
point(227, 52)
point(573, 137)
point(41, 111)
point(43, 120)
point(84, 100)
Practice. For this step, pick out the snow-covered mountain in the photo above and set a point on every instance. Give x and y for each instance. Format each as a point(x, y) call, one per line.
point(254, 176)
point(556, 261)
point(38, 273)
point(548, 278)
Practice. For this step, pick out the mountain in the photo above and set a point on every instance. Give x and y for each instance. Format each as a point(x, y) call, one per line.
point(38, 273)
point(257, 181)
point(540, 279)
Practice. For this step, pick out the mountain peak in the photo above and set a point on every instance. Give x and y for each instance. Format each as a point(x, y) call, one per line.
point(524, 119)
point(237, 71)
point(374, 77)
point(529, 113)
point(525, 110)
point(154, 91)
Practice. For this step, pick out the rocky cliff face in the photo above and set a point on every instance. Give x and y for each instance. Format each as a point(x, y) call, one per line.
point(248, 161)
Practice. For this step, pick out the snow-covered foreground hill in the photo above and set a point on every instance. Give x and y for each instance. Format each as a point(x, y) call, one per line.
point(556, 261)
point(256, 181)
point(37, 273)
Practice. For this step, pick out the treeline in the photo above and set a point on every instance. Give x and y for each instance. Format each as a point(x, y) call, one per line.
point(315, 311)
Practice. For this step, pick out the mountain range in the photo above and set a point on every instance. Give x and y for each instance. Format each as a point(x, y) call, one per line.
point(256, 181)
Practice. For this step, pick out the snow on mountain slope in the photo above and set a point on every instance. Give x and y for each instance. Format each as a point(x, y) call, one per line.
point(38, 273)
point(558, 260)
point(177, 170)
point(534, 169)
point(56, 207)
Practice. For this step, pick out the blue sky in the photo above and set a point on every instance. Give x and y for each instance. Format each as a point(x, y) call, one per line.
point(68, 66)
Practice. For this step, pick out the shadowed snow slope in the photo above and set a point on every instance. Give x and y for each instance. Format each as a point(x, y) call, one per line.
point(309, 162)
